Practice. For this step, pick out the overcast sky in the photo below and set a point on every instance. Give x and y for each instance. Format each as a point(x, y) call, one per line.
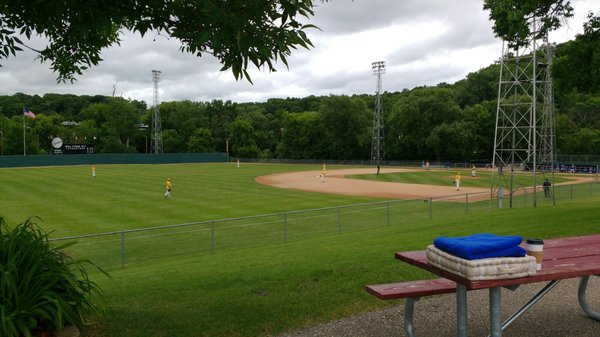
point(423, 42)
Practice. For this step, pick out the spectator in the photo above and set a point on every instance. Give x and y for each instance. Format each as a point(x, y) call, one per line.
point(546, 185)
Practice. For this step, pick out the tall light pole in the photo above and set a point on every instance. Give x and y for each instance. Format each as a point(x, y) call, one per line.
point(377, 147)
point(144, 128)
point(156, 137)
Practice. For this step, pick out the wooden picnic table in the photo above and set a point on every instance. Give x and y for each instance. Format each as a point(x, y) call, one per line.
point(564, 258)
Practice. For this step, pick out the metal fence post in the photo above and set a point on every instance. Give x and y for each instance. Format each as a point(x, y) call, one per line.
point(284, 227)
point(339, 220)
point(212, 237)
point(571, 192)
point(122, 250)
point(388, 213)
point(430, 206)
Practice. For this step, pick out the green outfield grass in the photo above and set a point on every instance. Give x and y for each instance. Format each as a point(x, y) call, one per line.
point(257, 286)
point(72, 202)
point(446, 178)
point(267, 290)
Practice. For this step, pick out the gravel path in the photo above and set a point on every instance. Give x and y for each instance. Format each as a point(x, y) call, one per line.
point(557, 315)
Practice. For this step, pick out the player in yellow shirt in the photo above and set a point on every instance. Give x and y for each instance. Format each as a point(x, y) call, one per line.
point(457, 181)
point(323, 172)
point(168, 186)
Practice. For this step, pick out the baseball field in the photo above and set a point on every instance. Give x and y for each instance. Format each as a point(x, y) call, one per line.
point(249, 289)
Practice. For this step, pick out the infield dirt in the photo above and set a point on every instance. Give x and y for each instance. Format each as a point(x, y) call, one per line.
point(337, 183)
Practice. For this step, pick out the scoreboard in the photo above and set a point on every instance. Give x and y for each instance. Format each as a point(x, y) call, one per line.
point(78, 149)
point(60, 148)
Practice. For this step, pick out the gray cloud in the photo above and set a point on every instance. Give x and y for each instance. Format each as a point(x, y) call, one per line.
point(423, 42)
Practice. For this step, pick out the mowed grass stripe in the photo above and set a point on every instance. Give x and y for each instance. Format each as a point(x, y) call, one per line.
point(72, 202)
point(29, 189)
point(72, 195)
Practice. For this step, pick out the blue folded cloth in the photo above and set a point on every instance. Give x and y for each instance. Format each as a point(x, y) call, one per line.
point(481, 246)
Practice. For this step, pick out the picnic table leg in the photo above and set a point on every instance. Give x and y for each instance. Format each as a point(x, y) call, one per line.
point(461, 310)
point(529, 304)
point(495, 312)
point(583, 283)
point(409, 308)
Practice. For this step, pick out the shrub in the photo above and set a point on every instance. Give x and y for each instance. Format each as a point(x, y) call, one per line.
point(41, 287)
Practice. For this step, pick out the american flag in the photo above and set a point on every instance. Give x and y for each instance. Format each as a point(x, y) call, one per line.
point(28, 113)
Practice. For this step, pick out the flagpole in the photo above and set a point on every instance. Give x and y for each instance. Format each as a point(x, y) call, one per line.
point(24, 153)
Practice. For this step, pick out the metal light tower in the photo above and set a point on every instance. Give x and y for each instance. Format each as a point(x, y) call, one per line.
point(156, 137)
point(524, 137)
point(377, 147)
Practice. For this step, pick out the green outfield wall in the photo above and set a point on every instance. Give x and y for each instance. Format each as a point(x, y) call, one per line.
point(98, 159)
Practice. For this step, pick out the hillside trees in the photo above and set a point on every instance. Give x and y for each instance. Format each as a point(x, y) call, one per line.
point(341, 129)
point(200, 141)
point(576, 74)
point(347, 124)
point(13, 105)
point(302, 136)
point(172, 142)
point(265, 125)
point(12, 136)
point(67, 105)
point(584, 141)
point(577, 62)
point(180, 121)
point(242, 139)
point(220, 114)
point(46, 128)
point(481, 120)
point(450, 140)
point(478, 86)
point(414, 118)
point(186, 123)
point(118, 119)
point(38, 133)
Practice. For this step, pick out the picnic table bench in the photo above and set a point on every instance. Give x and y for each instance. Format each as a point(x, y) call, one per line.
point(564, 258)
point(411, 291)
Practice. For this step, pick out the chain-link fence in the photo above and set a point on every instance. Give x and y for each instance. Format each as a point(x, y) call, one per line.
point(135, 247)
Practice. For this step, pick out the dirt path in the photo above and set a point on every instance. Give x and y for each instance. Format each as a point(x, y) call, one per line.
point(337, 183)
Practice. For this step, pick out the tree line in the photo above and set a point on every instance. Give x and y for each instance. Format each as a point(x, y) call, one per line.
point(438, 123)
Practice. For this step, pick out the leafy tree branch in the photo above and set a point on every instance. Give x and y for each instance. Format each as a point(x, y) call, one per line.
point(237, 32)
point(513, 18)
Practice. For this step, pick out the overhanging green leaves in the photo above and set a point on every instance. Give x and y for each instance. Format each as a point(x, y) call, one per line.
point(513, 18)
point(236, 32)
